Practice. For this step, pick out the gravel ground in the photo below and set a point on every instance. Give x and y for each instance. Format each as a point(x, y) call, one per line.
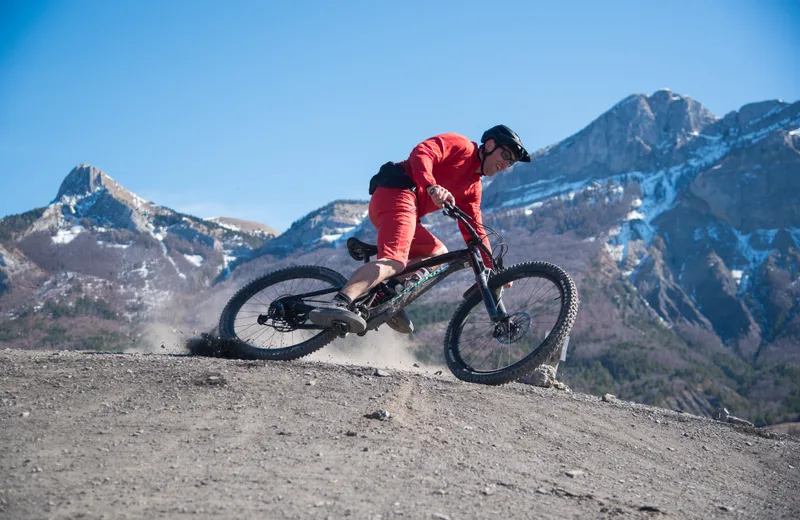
point(91, 435)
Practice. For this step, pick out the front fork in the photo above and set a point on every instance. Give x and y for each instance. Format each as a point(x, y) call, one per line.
point(497, 311)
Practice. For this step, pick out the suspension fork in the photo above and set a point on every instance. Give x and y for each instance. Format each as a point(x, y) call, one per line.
point(497, 311)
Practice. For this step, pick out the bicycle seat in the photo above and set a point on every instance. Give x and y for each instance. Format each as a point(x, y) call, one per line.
point(360, 250)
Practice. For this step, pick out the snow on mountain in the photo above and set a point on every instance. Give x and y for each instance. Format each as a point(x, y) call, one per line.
point(246, 226)
point(328, 226)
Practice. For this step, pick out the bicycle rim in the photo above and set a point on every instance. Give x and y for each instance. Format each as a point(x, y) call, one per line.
point(277, 338)
point(541, 306)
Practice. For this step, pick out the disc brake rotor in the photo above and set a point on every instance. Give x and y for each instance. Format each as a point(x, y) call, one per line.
point(510, 331)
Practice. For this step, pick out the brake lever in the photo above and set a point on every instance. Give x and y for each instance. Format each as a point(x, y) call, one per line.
point(450, 210)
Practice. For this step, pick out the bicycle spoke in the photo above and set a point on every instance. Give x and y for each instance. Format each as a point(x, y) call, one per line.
point(532, 305)
point(275, 333)
point(485, 344)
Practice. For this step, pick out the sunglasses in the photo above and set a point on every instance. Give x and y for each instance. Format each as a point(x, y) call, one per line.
point(507, 156)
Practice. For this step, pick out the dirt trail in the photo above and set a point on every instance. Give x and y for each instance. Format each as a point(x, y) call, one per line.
point(147, 436)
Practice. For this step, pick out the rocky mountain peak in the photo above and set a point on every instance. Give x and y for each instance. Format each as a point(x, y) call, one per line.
point(83, 180)
point(89, 192)
point(637, 134)
point(652, 120)
point(679, 113)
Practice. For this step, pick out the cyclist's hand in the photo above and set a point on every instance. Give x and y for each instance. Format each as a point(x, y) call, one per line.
point(440, 195)
point(508, 285)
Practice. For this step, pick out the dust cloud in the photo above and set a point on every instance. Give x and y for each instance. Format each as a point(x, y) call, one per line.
point(382, 348)
point(189, 326)
point(379, 349)
point(159, 338)
point(179, 321)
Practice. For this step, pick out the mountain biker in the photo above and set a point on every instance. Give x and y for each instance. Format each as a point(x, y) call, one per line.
point(445, 168)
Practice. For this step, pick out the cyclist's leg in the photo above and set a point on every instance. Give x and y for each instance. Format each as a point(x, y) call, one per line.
point(369, 275)
point(424, 245)
point(394, 213)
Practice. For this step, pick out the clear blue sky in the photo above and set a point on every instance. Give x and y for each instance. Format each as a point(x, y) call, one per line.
point(267, 110)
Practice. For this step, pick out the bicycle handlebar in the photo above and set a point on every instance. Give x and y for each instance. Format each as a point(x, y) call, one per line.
point(452, 211)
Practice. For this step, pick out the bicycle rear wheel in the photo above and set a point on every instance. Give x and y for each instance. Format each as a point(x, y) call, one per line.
point(250, 334)
point(541, 306)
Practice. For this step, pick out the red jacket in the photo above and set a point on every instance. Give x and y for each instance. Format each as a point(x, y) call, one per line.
point(451, 161)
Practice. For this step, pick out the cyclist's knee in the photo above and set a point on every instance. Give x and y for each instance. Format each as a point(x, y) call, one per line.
point(390, 267)
point(442, 250)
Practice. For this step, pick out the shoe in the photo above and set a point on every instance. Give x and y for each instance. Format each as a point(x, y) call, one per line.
point(326, 313)
point(401, 322)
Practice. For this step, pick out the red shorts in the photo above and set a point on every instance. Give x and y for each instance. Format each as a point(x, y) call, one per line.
point(401, 235)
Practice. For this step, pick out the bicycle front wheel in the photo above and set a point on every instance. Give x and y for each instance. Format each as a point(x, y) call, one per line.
point(541, 306)
point(250, 333)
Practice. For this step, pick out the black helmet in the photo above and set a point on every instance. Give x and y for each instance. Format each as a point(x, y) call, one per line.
point(503, 135)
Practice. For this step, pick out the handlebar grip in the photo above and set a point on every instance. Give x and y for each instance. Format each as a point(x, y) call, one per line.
point(450, 210)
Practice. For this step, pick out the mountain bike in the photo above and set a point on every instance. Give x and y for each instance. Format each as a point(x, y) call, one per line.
point(496, 335)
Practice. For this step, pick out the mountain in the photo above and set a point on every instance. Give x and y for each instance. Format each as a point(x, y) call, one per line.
point(700, 217)
point(680, 228)
point(103, 257)
point(247, 226)
point(637, 134)
point(329, 226)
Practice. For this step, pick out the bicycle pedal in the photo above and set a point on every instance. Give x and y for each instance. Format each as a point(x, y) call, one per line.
point(341, 328)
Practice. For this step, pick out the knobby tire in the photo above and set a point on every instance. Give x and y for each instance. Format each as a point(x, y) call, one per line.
point(238, 349)
point(569, 309)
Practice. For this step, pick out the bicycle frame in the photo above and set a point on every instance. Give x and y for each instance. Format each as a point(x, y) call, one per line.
point(444, 265)
point(450, 263)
